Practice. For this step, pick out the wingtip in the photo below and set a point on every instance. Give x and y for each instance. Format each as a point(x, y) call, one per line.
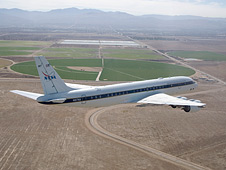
point(13, 91)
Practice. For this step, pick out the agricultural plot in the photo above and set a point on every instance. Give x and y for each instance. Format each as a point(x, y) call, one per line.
point(130, 70)
point(4, 62)
point(13, 43)
point(202, 55)
point(9, 51)
point(61, 66)
point(130, 54)
point(70, 52)
point(15, 48)
point(114, 70)
point(12, 48)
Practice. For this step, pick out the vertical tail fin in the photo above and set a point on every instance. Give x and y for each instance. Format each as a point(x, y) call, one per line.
point(51, 81)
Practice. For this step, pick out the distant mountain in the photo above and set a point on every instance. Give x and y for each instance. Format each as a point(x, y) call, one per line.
point(95, 18)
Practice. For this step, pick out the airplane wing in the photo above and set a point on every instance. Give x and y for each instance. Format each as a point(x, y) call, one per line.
point(79, 86)
point(30, 95)
point(164, 99)
point(34, 96)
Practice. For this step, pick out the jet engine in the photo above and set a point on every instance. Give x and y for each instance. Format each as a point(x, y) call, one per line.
point(191, 108)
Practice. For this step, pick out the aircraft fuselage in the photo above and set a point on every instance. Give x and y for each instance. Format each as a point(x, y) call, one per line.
point(120, 93)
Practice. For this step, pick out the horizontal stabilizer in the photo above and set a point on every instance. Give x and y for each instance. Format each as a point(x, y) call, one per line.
point(30, 95)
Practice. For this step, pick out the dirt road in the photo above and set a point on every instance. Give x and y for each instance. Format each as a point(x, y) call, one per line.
point(92, 124)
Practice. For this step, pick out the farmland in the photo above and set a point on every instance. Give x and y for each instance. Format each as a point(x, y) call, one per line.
point(49, 49)
point(4, 63)
point(130, 54)
point(9, 51)
point(78, 52)
point(202, 55)
point(15, 43)
point(114, 70)
point(20, 48)
point(70, 52)
point(120, 70)
point(61, 68)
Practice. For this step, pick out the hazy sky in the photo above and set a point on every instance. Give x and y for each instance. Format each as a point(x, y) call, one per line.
point(207, 8)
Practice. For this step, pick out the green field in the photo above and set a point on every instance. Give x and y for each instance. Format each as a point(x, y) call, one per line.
point(131, 70)
point(61, 67)
point(202, 55)
point(9, 51)
point(130, 54)
point(70, 52)
point(14, 43)
point(107, 53)
point(114, 70)
point(15, 48)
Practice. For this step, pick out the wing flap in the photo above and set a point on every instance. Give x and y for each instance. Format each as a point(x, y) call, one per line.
point(164, 99)
point(30, 95)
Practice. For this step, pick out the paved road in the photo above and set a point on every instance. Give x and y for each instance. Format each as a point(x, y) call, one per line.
point(92, 124)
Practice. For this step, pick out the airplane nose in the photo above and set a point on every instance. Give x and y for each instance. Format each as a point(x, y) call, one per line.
point(195, 85)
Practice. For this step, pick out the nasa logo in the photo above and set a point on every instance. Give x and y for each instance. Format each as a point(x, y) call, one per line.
point(49, 77)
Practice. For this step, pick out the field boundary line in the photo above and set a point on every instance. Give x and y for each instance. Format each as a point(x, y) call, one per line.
point(74, 71)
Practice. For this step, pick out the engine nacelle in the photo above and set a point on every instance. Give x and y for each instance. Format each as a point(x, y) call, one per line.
point(191, 108)
point(184, 98)
point(197, 101)
point(193, 100)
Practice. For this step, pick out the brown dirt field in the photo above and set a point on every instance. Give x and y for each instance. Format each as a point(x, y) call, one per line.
point(93, 69)
point(19, 59)
point(35, 136)
point(215, 68)
point(199, 137)
point(6, 72)
point(189, 45)
point(4, 62)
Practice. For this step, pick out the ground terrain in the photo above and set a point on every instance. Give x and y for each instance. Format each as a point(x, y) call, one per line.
point(190, 44)
point(35, 136)
point(195, 136)
point(214, 68)
point(211, 51)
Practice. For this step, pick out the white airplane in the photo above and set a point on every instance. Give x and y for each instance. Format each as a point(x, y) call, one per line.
point(155, 91)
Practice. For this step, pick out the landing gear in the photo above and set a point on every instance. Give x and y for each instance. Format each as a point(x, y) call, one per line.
point(187, 108)
point(173, 106)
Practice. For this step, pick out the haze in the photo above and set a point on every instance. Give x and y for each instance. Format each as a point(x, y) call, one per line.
point(205, 8)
